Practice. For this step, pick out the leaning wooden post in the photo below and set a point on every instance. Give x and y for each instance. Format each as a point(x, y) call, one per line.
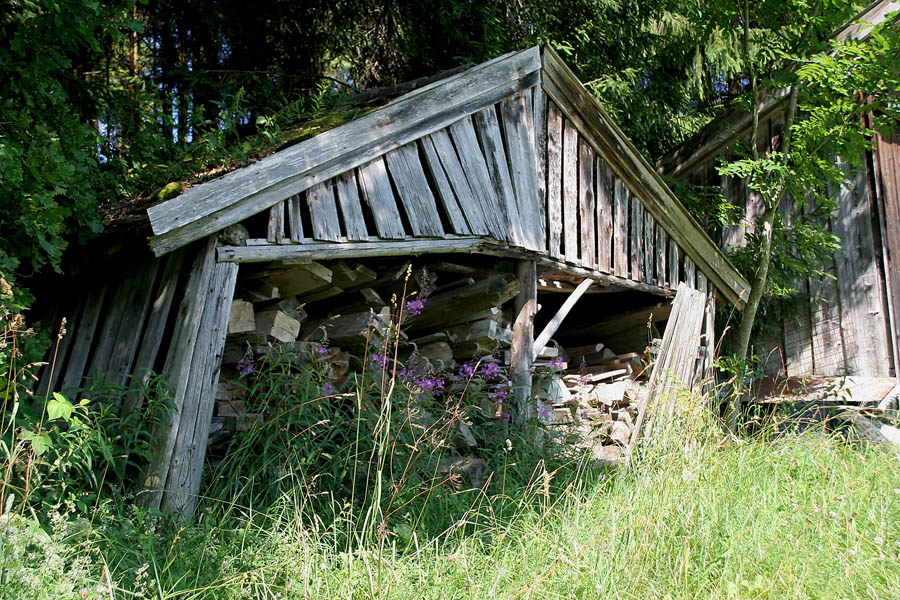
point(521, 355)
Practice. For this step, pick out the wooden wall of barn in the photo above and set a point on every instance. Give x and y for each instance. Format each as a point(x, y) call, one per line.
point(849, 325)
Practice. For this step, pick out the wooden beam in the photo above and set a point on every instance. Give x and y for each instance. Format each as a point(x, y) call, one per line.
point(522, 349)
point(373, 248)
point(206, 208)
point(561, 314)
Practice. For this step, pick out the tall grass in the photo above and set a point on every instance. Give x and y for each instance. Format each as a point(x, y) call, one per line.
point(801, 516)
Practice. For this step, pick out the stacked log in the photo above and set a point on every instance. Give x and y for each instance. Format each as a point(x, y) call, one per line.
point(449, 314)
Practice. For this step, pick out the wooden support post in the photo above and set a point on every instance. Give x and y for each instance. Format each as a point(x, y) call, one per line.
point(521, 351)
point(557, 319)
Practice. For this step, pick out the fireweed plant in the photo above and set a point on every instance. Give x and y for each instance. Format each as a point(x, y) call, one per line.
point(367, 455)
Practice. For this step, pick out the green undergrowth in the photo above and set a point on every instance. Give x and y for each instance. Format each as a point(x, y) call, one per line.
point(801, 516)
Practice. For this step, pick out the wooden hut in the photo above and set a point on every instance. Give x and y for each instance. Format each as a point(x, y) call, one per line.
point(509, 161)
point(851, 325)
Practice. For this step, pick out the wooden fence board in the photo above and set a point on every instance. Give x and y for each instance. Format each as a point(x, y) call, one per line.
point(351, 208)
point(620, 236)
point(570, 192)
point(376, 189)
point(475, 168)
point(604, 200)
point(323, 210)
point(409, 177)
point(469, 206)
point(520, 136)
point(586, 205)
point(445, 189)
point(554, 180)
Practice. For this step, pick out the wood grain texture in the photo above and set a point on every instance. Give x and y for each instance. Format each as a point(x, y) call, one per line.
point(861, 287)
point(554, 181)
point(84, 339)
point(323, 212)
point(570, 193)
point(469, 206)
point(294, 220)
point(275, 229)
point(636, 248)
point(189, 451)
point(522, 346)
point(418, 202)
point(445, 190)
point(351, 208)
point(604, 200)
point(377, 192)
point(520, 139)
point(491, 138)
point(586, 205)
point(620, 233)
point(475, 168)
point(649, 249)
point(187, 330)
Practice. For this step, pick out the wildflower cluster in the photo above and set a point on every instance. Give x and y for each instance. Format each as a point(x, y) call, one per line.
point(414, 307)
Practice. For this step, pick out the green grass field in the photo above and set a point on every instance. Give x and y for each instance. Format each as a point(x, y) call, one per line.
point(803, 516)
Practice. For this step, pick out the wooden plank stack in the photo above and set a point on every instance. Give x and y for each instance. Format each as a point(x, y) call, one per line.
point(451, 313)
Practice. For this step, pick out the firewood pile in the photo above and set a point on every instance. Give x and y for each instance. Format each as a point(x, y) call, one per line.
point(594, 391)
point(450, 313)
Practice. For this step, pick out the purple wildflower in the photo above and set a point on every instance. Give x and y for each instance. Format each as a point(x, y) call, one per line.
point(431, 384)
point(245, 366)
point(328, 388)
point(585, 415)
point(466, 371)
point(582, 380)
point(543, 412)
point(499, 396)
point(414, 307)
point(321, 350)
point(379, 360)
point(556, 363)
point(490, 371)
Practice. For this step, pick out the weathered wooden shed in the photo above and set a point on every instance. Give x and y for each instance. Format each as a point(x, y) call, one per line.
point(509, 159)
point(851, 325)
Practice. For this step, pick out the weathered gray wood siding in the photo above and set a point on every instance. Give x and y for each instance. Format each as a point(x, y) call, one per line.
point(848, 325)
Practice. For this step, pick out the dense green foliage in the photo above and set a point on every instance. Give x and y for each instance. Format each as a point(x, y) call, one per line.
point(105, 101)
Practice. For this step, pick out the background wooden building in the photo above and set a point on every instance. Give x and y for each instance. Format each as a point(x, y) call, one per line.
point(851, 325)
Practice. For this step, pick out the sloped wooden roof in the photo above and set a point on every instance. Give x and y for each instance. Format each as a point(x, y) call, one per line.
point(513, 153)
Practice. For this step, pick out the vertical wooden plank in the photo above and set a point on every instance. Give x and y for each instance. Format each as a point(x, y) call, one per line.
point(674, 264)
point(522, 345)
point(620, 237)
point(415, 194)
point(554, 181)
point(323, 212)
point(798, 344)
point(586, 205)
point(275, 231)
point(439, 150)
point(886, 168)
point(53, 370)
point(689, 272)
point(649, 250)
point(186, 468)
point(351, 209)
point(539, 108)
point(475, 167)
point(295, 222)
point(604, 200)
point(376, 189)
point(570, 192)
point(84, 340)
point(444, 188)
point(637, 239)
point(179, 363)
point(156, 326)
point(861, 287)
point(112, 319)
point(662, 273)
point(519, 136)
point(491, 139)
point(128, 334)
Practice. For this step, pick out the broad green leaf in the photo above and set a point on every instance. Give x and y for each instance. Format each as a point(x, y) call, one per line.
point(59, 407)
